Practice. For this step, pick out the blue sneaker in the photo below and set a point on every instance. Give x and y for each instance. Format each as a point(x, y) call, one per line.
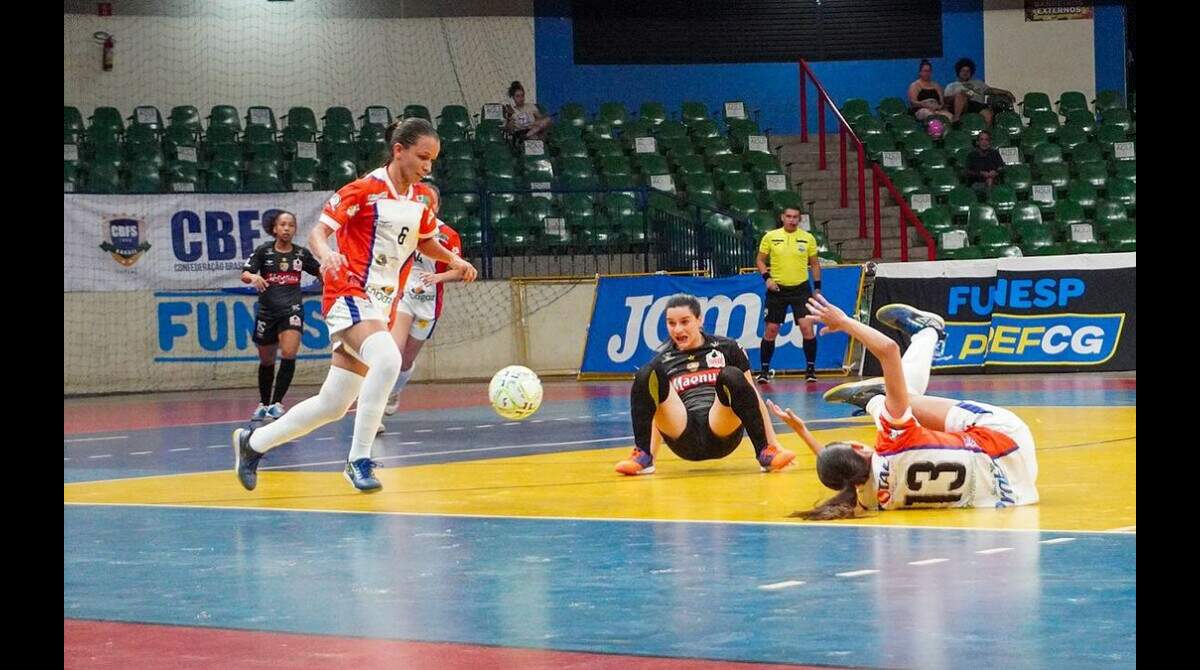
point(260, 414)
point(275, 411)
point(361, 473)
point(857, 393)
point(245, 459)
point(638, 463)
point(910, 319)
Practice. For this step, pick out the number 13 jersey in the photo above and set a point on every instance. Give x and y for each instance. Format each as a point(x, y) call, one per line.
point(377, 230)
point(975, 466)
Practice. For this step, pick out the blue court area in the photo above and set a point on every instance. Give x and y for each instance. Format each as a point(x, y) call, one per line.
point(553, 551)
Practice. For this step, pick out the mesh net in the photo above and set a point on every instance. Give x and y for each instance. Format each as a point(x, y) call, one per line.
point(293, 54)
point(162, 317)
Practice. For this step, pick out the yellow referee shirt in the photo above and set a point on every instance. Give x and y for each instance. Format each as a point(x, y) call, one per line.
point(788, 255)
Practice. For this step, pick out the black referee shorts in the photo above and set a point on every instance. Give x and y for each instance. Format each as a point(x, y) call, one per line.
point(778, 302)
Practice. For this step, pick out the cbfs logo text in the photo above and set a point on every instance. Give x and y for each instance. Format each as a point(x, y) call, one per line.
point(218, 327)
point(215, 240)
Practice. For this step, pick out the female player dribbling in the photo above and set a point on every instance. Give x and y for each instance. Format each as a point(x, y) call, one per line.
point(378, 225)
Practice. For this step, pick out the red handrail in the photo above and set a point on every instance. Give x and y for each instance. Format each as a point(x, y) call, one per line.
point(906, 214)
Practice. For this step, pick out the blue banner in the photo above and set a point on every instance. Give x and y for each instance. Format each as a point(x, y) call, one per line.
point(628, 323)
point(216, 327)
point(1023, 314)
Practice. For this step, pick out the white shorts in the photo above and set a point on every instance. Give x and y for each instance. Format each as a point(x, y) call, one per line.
point(969, 413)
point(347, 311)
point(422, 312)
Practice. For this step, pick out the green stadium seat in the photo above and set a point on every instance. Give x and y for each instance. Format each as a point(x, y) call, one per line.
point(937, 220)
point(972, 124)
point(1122, 237)
point(147, 116)
point(855, 108)
point(960, 200)
point(1035, 101)
point(654, 112)
point(993, 241)
point(263, 176)
point(1123, 191)
point(613, 113)
point(1093, 172)
point(303, 175)
point(1106, 100)
point(340, 173)
point(1070, 138)
point(1118, 117)
point(416, 111)
point(1072, 101)
point(144, 177)
point(1045, 120)
point(224, 177)
point(890, 108)
point(72, 120)
point(1003, 198)
point(1047, 153)
point(260, 116)
point(572, 114)
point(941, 180)
point(185, 116)
point(691, 112)
point(1081, 120)
point(1082, 193)
point(182, 177)
point(455, 115)
point(106, 119)
point(379, 116)
point(337, 118)
point(145, 153)
point(1020, 178)
point(225, 116)
point(301, 118)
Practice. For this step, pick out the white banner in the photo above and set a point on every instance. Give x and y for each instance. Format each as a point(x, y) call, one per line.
point(180, 241)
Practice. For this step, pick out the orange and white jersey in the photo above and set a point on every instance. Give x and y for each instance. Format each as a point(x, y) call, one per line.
point(377, 230)
point(985, 459)
point(424, 302)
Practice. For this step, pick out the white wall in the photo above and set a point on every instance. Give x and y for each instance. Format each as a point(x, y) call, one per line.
point(1046, 56)
point(270, 53)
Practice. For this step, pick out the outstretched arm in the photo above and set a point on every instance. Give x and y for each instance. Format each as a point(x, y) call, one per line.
point(884, 348)
point(795, 423)
point(434, 249)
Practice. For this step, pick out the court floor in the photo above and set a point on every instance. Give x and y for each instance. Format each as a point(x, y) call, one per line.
point(514, 544)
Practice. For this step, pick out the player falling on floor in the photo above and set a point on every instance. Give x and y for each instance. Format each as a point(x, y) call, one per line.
point(274, 269)
point(929, 451)
point(378, 226)
point(698, 397)
point(420, 304)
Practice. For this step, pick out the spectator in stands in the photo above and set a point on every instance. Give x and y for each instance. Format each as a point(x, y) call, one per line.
point(984, 164)
point(521, 119)
point(925, 95)
point(971, 95)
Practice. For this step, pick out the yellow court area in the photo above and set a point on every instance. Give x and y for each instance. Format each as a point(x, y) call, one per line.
point(1086, 456)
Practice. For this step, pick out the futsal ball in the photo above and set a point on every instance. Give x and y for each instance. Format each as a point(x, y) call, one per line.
point(515, 392)
point(935, 128)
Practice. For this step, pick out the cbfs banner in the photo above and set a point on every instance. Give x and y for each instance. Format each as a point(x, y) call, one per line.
point(1054, 313)
point(217, 326)
point(628, 319)
point(177, 241)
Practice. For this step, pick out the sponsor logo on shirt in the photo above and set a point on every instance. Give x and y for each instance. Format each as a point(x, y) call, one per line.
point(693, 379)
point(334, 201)
point(715, 359)
point(294, 320)
point(883, 493)
point(352, 210)
point(375, 197)
point(692, 367)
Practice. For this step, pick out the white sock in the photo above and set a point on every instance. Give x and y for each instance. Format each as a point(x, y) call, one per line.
point(918, 360)
point(402, 380)
point(380, 354)
point(330, 404)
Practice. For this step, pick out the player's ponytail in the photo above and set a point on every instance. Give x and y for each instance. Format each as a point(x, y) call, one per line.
point(840, 468)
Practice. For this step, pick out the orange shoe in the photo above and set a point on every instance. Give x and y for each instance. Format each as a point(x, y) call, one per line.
point(774, 459)
point(638, 463)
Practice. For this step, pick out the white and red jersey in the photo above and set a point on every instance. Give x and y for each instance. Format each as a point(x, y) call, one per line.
point(416, 292)
point(972, 466)
point(377, 230)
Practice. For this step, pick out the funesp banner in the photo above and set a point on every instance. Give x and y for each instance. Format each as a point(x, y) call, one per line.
point(1056, 313)
point(628, 323)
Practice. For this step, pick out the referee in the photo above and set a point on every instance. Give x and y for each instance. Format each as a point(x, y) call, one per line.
point(791, 252)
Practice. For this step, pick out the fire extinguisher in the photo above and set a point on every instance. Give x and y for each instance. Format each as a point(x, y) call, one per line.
point(106, 59)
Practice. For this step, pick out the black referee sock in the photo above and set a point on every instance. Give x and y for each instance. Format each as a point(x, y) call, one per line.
point(649, 389)
point(266, 375)
point(287, 368)
point(735, 392)
point(810, 353)
point(766, 353)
